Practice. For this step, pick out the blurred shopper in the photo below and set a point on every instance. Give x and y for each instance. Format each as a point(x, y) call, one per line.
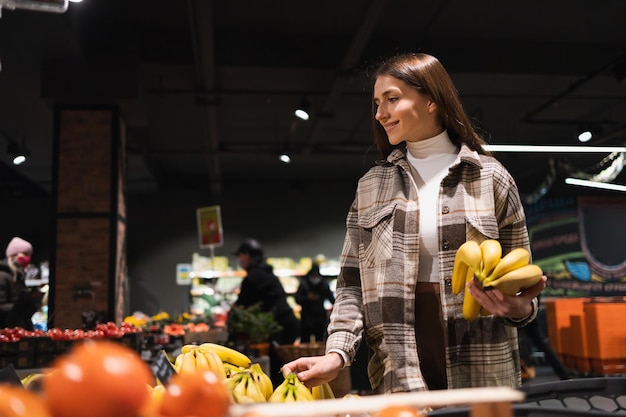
point(260, 285)
point(312, 294)
point(17, 302)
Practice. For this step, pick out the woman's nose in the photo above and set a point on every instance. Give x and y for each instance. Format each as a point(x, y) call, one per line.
point(381, 114)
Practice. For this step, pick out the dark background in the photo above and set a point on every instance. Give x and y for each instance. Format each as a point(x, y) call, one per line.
point(207, 90)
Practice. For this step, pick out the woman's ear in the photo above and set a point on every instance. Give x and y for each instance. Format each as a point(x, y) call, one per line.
point(432, 106)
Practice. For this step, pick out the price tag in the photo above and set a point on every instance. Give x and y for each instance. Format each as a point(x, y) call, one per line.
point(9, 376)
point(162, 368)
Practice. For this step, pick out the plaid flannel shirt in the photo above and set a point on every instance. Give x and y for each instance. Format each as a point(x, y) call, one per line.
point(478, 200)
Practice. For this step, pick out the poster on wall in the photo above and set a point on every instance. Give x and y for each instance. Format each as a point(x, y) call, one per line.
point(576, 241)
point(210, 231)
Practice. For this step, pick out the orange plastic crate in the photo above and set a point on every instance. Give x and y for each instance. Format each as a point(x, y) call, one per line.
point(606, 333)
point(559, 312)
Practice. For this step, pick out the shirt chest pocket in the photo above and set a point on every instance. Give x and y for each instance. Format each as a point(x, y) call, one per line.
point(376, 242)
point(481, 228)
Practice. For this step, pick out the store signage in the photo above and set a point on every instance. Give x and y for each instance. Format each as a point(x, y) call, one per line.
point(210, 231)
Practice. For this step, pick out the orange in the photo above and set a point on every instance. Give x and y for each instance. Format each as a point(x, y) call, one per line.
point(399, 411)
point(98, 379)
point(198, 394)
point(19, 402)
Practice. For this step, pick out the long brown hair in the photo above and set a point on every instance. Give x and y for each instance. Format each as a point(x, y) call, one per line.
point(425, 73)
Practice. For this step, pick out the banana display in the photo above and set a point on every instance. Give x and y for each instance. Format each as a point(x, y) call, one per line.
point(509, 274)
point(291, 390)
point(245, 387)
point(246, 381)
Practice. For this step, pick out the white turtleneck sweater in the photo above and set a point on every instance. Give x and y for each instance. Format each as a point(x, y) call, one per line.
point(429, 160)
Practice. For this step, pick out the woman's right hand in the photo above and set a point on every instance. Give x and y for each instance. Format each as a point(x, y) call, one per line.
point(315, 370)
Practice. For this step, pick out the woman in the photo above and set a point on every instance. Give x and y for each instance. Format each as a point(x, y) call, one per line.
point(435, 188)
point(17, 305)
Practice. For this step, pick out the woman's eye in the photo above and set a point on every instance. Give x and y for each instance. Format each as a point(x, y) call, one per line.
point(392, 99)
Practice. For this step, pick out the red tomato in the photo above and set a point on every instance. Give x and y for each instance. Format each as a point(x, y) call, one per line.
point(197, 394)
point(97, 378)
point(19, 402)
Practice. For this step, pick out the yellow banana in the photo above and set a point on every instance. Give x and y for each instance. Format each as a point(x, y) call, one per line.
point(227, 354)
point(281, 392)
point(513, 260)
point(188, 348)
point(232, 382)
point(264, 381)
point(471, 308)
point(254, 391)
point(290, 395)
point(230, 369)
point(189, 363)
point(240, 398)
point(491, 251)
point(178, 362)
point(328, 391)
point(201, 360)
point(322, 392)
point(302, 392)
point(215, 363)
point(516, 280)
point(468, 257)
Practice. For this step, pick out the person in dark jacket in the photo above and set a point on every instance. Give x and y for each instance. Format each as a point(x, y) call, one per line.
point(17, 305)
point(312, 293)
point(262, 286)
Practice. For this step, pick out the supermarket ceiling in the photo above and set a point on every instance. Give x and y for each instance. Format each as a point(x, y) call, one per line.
point(208, 88)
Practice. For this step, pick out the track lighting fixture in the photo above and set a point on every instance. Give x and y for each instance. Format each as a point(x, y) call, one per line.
point(50, 6)
point(18, 152)
point(284, 158)
point(586, 133)
point(303, 110)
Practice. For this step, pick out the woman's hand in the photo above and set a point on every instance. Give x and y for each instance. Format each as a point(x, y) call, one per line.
point(315, 370)
point(511, 306)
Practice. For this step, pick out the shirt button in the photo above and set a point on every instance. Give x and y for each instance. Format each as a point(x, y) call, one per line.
point(445, 209)
point(446, 245)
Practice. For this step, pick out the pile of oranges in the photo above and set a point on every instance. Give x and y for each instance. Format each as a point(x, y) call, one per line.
point(105, 379)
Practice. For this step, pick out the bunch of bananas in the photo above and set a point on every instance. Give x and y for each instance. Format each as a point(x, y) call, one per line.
point(322, 392)
point(291, 390)
point(509, 274)
point(246, 381)
point(193, 358)
point(245, 388)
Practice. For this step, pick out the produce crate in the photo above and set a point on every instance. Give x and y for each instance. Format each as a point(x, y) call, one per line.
point(604, 320)
point(341, 385)
point(213, 336)
point(559, 312)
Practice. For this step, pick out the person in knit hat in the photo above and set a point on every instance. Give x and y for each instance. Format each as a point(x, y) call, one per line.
point(15, 299)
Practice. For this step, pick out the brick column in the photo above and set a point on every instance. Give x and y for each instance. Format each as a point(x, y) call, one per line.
point(88, 262)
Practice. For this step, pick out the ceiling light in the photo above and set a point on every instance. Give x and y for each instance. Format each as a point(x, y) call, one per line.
point(303, 110)
point(284, 158)
point(585, 135)
point(595, 184)
point(554, 149)
point(18, 152)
